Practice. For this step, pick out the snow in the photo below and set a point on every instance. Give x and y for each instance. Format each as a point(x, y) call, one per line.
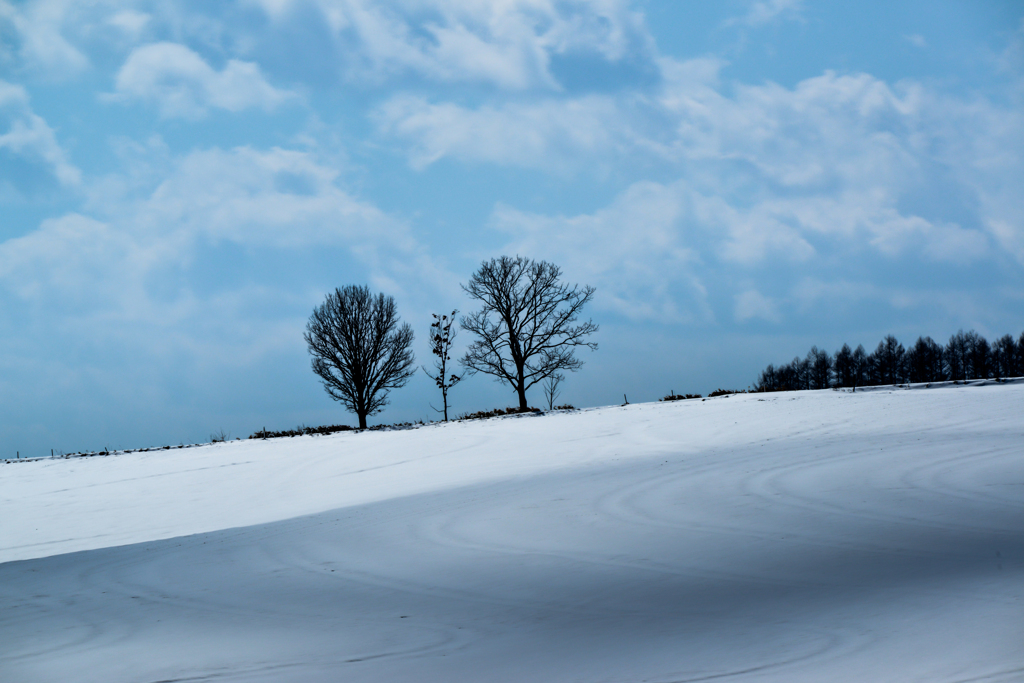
point(803, 536)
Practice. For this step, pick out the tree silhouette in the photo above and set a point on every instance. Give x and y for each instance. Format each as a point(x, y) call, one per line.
point(819, 369)
point(924, 361)
point(551, 391)
point(442, 335)
point(526, 329)
point(957, 356)
point(360, 352)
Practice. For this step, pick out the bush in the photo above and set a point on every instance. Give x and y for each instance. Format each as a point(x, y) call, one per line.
point(497, 412)
point(301, 430)
point(679, 397)
point(724, 392)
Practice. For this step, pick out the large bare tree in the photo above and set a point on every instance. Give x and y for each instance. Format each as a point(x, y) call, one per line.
point(527, 329)
point(360, 352)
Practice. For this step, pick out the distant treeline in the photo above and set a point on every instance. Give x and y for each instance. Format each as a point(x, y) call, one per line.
point(967, 355)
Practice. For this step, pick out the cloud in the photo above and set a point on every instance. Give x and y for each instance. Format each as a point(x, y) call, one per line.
point(198, 285)
point(131, 22)
point(772, 172)
point(668, 252)
point(109, 260)
point(752, 304)
point(827, 129)
point(830, 129)
point(508, 44)
point(764, 12)
point(548, 135)
point(634, 251)
point(1011, 59)
point(181, 84)
point(844, 154)
point(809, 179)
point(917, 40)
point(38, 28)
point(26, 135)
point(66, 262)
point(277, 197)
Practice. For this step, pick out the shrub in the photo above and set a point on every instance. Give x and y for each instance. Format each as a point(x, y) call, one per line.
point(724, 392)
point(300, 431)
point(497, 412)
point(679, 397)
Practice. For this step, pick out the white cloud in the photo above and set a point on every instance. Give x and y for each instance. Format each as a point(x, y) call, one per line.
point(1011, 59)
point(851, 221)
point(752, 304)
point(766, 11)
point(129, 290)
point(508, 44)
point(828, 129)
point(131, 22)
point(842, 153)
point(25, 134)
point(634, 251)
point(39, 29)
point(277, 198)
point(66, 262)
point(181, 84)
point(917, 40)
point(812, 291)
point(773, 170)
point(550, 135)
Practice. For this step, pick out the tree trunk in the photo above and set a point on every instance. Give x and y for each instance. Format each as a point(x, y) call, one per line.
point(522, 396)
point(362, 420)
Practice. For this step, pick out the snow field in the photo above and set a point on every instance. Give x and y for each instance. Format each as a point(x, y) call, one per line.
point(787, 537)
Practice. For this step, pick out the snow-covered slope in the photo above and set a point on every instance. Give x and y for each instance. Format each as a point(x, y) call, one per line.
point(876, 536)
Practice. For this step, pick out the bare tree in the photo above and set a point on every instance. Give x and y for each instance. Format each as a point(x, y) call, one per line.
point(533, 333)
point(442, 335)
point(981, 356)
point(889, 361)
point(551, 391)
point(843, 367)
point(800, 375)
point(360, 352)
point(924, 361)
point(1004, 356)
point(957, 356)
point(820, 366)
point(859, 365)
point(1019, 365)
point(768, 381)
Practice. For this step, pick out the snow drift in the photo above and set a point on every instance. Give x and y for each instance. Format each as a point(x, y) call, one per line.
point(785, 537)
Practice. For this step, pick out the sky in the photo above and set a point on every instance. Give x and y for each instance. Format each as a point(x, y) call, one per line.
point(182, 182)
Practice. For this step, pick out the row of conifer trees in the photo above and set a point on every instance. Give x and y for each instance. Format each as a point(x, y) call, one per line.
point(967, 355)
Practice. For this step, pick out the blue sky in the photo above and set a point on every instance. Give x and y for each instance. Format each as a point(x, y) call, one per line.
point(182, 182)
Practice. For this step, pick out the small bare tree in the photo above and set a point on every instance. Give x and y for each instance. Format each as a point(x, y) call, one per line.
point(360, 352)
point(533, 333)
point(442, 335)
point(551, 391)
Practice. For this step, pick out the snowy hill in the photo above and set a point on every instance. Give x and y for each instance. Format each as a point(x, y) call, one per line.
point(812, 536)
